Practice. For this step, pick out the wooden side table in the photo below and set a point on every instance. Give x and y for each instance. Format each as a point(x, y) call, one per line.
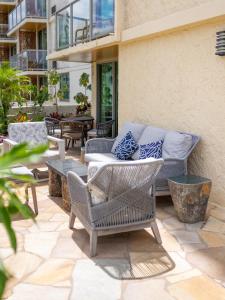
point(190, 196)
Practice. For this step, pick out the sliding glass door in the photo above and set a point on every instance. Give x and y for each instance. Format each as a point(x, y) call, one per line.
point(107, 93)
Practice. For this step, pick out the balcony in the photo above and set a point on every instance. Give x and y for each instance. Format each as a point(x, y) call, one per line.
point(30, 60)
point(3, 35)
point(7, 5)
point(84, 21)
point(28, 11)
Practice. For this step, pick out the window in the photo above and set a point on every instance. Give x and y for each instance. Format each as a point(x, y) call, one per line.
point(65, 86)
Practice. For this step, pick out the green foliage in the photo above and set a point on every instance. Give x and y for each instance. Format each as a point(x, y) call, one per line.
point(82, 98)
point(53, 82)
point(39, 97)
point(13, 88)
point(10, 204)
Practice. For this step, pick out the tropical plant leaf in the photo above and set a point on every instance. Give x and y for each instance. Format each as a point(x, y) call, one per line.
point(3, 278)
point(5, 217)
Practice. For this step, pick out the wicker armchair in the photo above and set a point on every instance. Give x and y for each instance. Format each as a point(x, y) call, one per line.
point(118, 197)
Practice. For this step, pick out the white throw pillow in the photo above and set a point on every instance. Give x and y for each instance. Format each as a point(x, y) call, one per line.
point(176, 145)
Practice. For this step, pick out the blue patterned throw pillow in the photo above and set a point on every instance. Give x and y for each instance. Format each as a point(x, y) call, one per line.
point(153, 149)
point(126, 147)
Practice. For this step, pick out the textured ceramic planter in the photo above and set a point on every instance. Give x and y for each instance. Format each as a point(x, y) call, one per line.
point(190, 196)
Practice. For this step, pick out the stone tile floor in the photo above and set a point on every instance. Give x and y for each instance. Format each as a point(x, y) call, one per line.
point(52, 262)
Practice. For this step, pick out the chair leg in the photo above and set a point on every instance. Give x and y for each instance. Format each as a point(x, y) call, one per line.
point(93, 243)
point(34, 195)
point(72, 220)
point(155, 231)
point(26, 195)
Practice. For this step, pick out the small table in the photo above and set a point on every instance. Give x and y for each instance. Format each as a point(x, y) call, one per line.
point(58, 170)
point(190, 196)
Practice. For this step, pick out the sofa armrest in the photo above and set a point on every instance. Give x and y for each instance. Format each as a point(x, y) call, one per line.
point(61, 145)
point(99, 145)
point(8, 144)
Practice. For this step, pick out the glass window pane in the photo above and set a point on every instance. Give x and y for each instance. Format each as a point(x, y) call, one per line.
point(63, 28)
point(23, 9)
point(65, 86)
point(81, 21)
point(103, 17)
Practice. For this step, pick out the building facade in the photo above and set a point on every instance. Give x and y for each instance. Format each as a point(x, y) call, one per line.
point(154, 61)
point(26, 37)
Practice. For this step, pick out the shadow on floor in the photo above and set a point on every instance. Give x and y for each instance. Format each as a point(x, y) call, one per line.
point(127, 256)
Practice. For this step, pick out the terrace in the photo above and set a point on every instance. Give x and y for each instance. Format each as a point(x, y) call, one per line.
point(54, 260)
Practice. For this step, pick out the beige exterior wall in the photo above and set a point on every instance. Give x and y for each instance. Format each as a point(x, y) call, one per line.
point(137, 12)
point(176, 82)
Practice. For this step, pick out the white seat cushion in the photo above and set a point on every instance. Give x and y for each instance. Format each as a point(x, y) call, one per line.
point(50, 154)
point(101, 157)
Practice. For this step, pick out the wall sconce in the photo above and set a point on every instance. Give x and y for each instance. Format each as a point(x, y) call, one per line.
point(220, 43)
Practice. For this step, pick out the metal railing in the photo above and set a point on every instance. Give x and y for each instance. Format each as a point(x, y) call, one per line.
point(83, 21)
point(27, 9)
point(30, 60)
point(10, 1)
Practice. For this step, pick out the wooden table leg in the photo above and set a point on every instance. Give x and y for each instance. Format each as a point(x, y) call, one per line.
point(55, 184)
point(66, 195)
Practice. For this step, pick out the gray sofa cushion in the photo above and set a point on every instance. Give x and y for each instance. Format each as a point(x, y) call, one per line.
point(136, 130)
point(149, 135)
point(176, 145)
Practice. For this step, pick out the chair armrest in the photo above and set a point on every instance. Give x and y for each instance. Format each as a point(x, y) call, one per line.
point(79, 192)
point(8, 144)
point(99, 145)
point(61, 145)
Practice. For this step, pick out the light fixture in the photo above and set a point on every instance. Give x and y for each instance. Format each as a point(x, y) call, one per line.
point(220, 43)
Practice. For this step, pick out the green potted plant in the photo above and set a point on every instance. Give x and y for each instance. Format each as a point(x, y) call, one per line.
point(14, 87)
point(56, 92)
point(83, 105)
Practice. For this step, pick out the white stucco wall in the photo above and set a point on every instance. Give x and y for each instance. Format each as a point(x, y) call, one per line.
point(176, 82)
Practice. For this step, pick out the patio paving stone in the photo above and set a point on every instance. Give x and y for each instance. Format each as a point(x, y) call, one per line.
point(197, 288)
point(153, 289)
point(61, 268)
point(218, 213)
point(211, 261)
point(212, 239)
point(22, 264)
point(214, 225)
point(173, 224)
point(41, 243)
point(37, 292)
point(90, 281)
point(52, 272)
point(185, 237)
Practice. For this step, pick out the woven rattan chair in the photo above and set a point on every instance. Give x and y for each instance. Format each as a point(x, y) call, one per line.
point(118, 197)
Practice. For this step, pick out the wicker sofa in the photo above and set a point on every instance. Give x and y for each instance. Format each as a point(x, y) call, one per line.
point(177, 147)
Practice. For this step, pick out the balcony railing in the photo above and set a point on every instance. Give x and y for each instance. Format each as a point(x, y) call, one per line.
point(9, 1)
point(30, 60)
point(83, 21)
point(27, 9)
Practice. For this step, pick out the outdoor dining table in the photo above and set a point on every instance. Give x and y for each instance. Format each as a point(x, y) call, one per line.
point(83, 119)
